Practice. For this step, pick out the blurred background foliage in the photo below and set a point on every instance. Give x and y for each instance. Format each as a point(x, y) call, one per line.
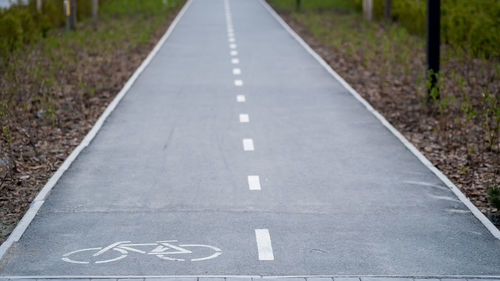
point(472, 26)
point(21, 24)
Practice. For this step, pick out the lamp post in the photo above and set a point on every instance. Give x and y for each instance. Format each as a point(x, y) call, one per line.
point(433, 43)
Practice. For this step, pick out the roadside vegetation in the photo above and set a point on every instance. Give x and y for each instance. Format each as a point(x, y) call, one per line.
point(54, 85)
point(385, 62)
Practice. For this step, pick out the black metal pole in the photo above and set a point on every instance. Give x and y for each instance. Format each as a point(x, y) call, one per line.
point(433, 44)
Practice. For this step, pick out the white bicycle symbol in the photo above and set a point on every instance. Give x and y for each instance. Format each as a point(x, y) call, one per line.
point(162, 249)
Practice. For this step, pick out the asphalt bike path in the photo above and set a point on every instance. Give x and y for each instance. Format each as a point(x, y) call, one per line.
point(236, 153)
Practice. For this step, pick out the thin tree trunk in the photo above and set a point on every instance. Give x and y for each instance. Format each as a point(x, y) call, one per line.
point(368, 9)
point(95, 9)
point(72, 17)
point(387, 12)
point(39, 5)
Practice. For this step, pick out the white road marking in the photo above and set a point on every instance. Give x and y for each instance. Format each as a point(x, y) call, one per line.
point(238, 83)
point(234, 53)
point(236, 71)
point(244, 118)
point(231, 39)
point(241, 98)
point(232, 46)
point(235, 61)
point(248, 145)
point(161, 249)
point(254, 182)
point(264, 246)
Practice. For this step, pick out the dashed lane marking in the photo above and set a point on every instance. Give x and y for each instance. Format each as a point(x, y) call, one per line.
point(248, 145)
point(254, 183)
point(235, 61)
point(240, 98)
point(244, 118)
point(232, 46)
point(238, 83)
point(264, 246)
point(234, 53)
point(236, 71)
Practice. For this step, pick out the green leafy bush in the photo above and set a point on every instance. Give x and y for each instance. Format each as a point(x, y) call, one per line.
point(471, 25)
point(11, 33)
point(468, 25)
point(23, 23)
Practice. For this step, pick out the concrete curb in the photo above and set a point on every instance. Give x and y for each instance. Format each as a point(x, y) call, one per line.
point(40, 198)
point(475, 211)
point(261, 278)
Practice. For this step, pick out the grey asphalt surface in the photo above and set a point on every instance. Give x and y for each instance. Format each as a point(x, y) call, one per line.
point(340, 194)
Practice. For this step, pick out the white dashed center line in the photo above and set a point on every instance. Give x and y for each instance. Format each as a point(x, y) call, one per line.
point(240, 98)
point(244, 118)
point(262, 236)
point(264, 246)
point(254, 182)
point(248, 145)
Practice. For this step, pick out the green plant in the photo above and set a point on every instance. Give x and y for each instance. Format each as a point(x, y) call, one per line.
point(6, 134)
point(11, 34)
point(494, 196)
point(433, 95)
point(491, 118)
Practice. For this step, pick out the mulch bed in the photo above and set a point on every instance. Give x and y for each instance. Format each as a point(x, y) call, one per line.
point(38, 145)
point(444, 143)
